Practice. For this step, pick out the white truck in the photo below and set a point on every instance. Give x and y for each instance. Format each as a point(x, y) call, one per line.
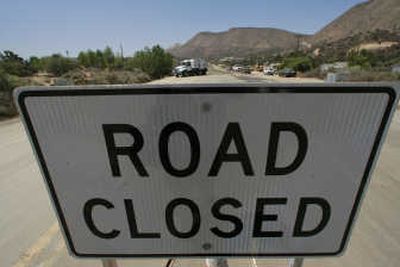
point(191, 67)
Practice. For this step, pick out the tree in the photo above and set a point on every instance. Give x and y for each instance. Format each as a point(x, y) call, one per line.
point(108, 57)
point(83, 59)
point(58, 65)
point(97, 59)
point(362, 58)
point(299, 62)
point(155, 62)
point(5, 84)
point(13, 64)
point(100, 63)
point(35, 64)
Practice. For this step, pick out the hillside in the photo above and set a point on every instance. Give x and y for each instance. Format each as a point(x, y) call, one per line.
point(362, 18)
point(238, 42)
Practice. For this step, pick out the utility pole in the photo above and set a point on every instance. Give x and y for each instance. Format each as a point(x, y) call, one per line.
point(121, 50)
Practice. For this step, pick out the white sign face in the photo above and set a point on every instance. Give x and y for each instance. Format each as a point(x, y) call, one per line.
point(207, 171)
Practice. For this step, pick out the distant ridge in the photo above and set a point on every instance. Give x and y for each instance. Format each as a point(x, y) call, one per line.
point(362, 18)
point(238, 42)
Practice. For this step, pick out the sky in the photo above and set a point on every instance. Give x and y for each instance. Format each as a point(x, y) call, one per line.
point(44, 27)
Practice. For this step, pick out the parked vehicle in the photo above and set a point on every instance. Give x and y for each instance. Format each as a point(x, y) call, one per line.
point(287, 72)
point(237, 68)
point(191, 67)
point(270, 70)
point(241, 69)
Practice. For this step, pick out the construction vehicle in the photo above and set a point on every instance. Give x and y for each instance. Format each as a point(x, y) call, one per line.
point(191, 67)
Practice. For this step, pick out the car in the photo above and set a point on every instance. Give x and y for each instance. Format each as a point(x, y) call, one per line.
point(269, 71)
point(288, 72)
point(241, 69)
point(237, 68)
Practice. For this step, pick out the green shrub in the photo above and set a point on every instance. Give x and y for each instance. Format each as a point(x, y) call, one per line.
point(127, 77)
point(96, 76)
point(299, 62)
point(13, 64)
point(35, 64)
point(98, 59)
point(371, 76)
point(314, 73)
point(155, 62)
point(363, 58)
point(4, 82)
point(58, 65)
point(61, 81)
point(7, 85)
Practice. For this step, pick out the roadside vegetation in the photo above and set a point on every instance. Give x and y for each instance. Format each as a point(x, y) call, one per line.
point(367, 57)
point(89, 67)
point(153, 63)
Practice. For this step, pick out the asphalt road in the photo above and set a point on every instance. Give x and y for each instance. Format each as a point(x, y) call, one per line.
point(29, 233)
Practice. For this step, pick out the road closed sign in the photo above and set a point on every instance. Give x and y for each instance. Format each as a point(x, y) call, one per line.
point(227, 170)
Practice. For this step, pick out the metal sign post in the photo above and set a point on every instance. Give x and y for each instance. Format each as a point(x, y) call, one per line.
point(296, 262)
point(109, 263)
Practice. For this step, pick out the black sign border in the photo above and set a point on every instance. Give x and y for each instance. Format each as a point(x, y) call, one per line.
point(205, 89)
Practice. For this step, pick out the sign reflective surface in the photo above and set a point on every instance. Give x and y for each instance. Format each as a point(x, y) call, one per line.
point(207, 170)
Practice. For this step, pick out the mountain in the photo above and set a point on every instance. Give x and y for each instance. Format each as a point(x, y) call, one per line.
point(362, 18)
point(366, 17)
point(238, 42)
